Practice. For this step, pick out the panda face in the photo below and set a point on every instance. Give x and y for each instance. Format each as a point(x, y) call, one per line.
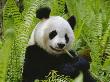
point(58, 35)
point(54, 35)
point(57, 42)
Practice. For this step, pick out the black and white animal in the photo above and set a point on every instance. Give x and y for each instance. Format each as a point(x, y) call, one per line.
point(47, 50)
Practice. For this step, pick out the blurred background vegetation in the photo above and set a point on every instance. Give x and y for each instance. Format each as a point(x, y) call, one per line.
point(92, 32)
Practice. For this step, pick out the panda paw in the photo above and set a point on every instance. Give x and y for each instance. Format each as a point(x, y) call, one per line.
point(68, 70)
point(82, 64)
point(74, 67)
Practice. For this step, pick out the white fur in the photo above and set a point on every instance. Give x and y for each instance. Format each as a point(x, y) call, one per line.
point(40, 34)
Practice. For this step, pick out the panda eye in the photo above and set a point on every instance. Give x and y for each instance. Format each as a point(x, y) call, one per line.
point(66, 38)
point(52, 34)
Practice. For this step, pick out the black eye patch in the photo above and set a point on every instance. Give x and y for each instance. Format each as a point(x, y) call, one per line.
point(66, 38)
point(52, 34)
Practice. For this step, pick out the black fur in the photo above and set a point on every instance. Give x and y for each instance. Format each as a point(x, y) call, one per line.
point(43, 12)
point(72, 21)
point(38, 63)
point(66, 38)
point(52, 34)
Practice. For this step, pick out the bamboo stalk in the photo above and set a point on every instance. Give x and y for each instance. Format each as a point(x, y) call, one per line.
point(68, 53)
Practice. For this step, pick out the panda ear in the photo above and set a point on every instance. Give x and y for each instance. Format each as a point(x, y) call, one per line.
point(43, 12)
point(72, 21)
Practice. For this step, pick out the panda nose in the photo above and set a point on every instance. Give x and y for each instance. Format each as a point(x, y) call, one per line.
point(60, 45)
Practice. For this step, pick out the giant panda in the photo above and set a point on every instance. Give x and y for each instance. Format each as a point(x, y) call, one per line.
point(48, 48)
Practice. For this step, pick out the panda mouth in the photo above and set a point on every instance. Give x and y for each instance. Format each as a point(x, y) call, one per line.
point(58, 50)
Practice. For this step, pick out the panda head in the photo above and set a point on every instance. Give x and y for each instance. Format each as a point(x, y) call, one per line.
point(53, 33)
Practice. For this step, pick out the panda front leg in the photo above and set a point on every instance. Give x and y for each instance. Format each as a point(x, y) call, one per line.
point(27, 75)
point(73, 69)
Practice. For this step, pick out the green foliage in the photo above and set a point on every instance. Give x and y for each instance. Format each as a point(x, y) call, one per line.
point(54, 77)
point(22, 30)
point(93, 28)
point(92, 31)
point(58, 7)
point(5, 51)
